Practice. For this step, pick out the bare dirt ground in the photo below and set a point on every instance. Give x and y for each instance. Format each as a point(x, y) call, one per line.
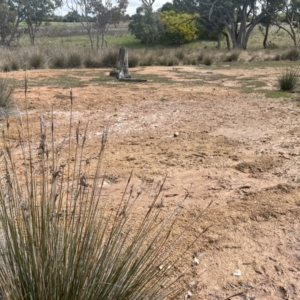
point(239, 150)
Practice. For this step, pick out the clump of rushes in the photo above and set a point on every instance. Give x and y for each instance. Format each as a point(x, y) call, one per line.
point(36, 61)
point(109, 58)
point(6, 98)
point(58, 61)
point(292, 54)
point(232, 56)
point(289, 79)
point(208, 60)
point(61, 240)
point(74, 60)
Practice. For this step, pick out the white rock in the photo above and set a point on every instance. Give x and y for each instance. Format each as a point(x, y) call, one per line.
point(237, 272)
point(196, 260)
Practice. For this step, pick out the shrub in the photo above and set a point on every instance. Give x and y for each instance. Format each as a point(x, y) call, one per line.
point(180, 54)
point(193, 61)
point(233, 56)
point(277, 57)
point(60, 240)
point(14, 65)
point(148, 60)
point(109, 59)
point(208, 60)
point(6, 67)
point(58, 61)
point(172, 61)
point(90, 62)
point(200, 57)
point(6, 99)
point(146, 25)
point(289, 79)
point(133, 61)
point(292, 54)
point(163, 61)
point(36, 61)
point(181, 28)
point(74, 60)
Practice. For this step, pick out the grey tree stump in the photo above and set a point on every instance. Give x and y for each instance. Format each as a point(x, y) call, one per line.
point(122, 64)
point(123, 69)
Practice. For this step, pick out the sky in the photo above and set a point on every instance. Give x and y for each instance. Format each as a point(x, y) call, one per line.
point(131, 9)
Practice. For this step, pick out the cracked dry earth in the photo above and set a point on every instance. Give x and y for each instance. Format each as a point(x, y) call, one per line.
point(241, 151)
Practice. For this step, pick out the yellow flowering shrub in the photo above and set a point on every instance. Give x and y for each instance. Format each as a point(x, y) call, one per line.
point(180, 28)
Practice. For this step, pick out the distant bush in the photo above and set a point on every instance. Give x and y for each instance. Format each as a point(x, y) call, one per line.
point(146, 25)
point(277, 57)
point(109, 59)
point(292, 54)
point(74, 60)
point(14, 64)
point(208, 60)
point(133, 60)
point(200, 57)
point(180, 54)
point(289, 79)
point(36, 61)
point(147, 60)
point(172, 61)
point(90, 62)
point(6, 67)
point(180, 27)
point(58, 61)
point(190, 61)
point(232, 56)
point(6, 98)
point(162, 61)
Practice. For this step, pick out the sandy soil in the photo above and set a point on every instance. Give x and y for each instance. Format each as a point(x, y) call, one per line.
point(239, 150)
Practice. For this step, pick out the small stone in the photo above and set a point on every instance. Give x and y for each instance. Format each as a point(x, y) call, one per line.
point(237, 273)
point(176, 134)
point(188, 295)
point(196, 260)
point(193, 283)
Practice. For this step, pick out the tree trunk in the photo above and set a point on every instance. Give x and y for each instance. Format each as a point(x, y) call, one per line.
point(89, 31)
point(266, 36)
point(122, 64)
point(104, 41)
point(219, 41)
point(227, 39)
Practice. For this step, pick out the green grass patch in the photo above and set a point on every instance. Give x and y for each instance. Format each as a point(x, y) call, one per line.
point(63, 80)
point(101, 80)
point(277, 94)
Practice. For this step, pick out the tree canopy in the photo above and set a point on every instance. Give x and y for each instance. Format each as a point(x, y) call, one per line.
point(34, 12)
point(238, 17)
point(146, 25)
point(180, 28)
point(97, 15)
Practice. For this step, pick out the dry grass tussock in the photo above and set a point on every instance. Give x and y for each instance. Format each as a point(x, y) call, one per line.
point(66, 57)
point(7, 106)
point(60, 240)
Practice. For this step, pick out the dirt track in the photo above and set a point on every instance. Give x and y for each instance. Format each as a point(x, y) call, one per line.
point(239, 150)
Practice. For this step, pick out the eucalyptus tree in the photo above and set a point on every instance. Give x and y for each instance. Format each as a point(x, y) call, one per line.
point(96, 16)
point(238, 18)
point(291, 9)
point(106, 14)
point(146, 25)
point(10, 19)
point(35, 12)
point(32, 12)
